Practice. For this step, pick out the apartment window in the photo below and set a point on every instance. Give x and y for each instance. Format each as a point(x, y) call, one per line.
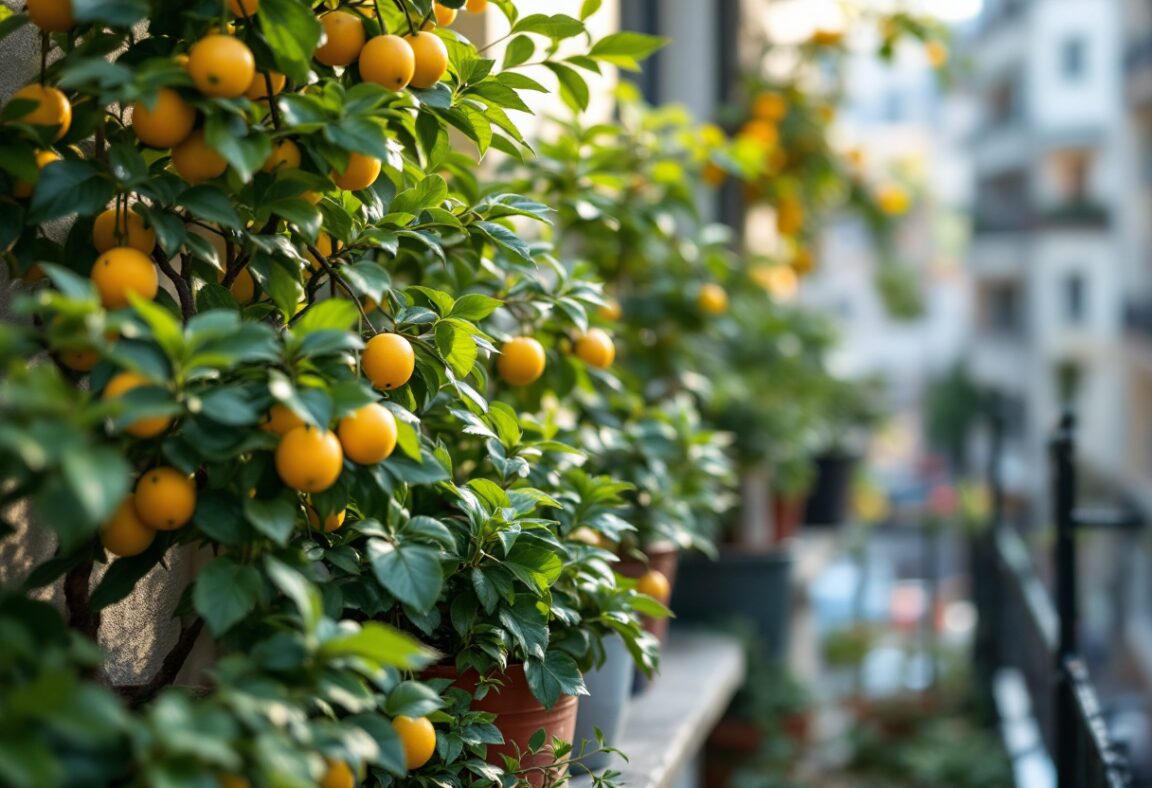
point(1003, 309)
point(1072, 58)
point(1074, 299)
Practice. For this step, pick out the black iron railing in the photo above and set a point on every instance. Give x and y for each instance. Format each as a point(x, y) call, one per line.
point(1023, 628)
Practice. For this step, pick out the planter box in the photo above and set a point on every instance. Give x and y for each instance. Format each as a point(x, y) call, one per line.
point(749, 587)
point(828, 504)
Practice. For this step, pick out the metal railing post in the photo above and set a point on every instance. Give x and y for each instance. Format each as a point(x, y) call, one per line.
point(1063, 448)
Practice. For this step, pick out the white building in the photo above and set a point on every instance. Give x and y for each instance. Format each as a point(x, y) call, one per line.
point(1046, 248)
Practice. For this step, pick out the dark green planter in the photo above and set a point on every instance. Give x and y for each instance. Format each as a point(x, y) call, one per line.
point(750, 589)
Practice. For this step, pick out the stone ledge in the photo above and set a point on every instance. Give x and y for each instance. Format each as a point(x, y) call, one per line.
point(667, 725)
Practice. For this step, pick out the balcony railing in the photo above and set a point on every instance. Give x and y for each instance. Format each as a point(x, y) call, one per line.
point(1071, 215)
point(1138, 318)
point(1079, 213)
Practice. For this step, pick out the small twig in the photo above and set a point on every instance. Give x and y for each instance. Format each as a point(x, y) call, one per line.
point(45, 43)
point(338, 279)
point(411, 28)
point(81, 616)
point(183, 290)
point(272, 108)
point(171, 666)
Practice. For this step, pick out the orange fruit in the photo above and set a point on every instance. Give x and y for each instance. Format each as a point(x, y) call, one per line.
point(325, 247)
point(344, 38)
point(339, 775)
point(521, 361)
point(368, 435)
point(713, 174)
point(388, 361)
point(221, 66)
point(331, 523)
point(215, 238)
point(285, 153)
point(444, 15)
point(596, 348)
point(82, 360)
point(258, 88)
point(308, 459)
point(476, 6)
point(52, 16)
point(712, 299)
point(419, 740)
point(147, 427)
point(611, 310)
point(125, 534)
point(789, 216)
point(123, 270)
point(243, 287)
point(803, 261)
point(43, 159)
point(770, 106)
point(167, 123)
point(165, 498)
point(196, 161)
point(243, 8)
point(893, 199)
point(389, 61)
point(762, 131)
point(129, 231)
point(52, 108)
point(431, 59)
point(656, 585)
point(361, 172)
point(937, 53)
point(281, 419)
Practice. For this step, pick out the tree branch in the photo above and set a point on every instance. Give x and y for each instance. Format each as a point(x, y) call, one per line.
point(173, 662)
point(77, 587)
point(187, 305)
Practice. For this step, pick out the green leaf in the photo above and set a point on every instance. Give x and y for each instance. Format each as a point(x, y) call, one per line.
point(573, 88)
point(225, 592)
point(121, 13)
point(527, 625)
point(274, 518)
point(381, 644)
point(304, 594)
point(166, 330)
point(412, 699)
point(474, 307)
point(124, 573)
point(555, 26)
point(626, 48)
point(411, 573)
point(293, 32)
point(98, 478)
point(520, 50)
point(211, 204)
point(245, 150)
point(553, 676)
point(589, 7)
point(69, 187)
point(334, 314)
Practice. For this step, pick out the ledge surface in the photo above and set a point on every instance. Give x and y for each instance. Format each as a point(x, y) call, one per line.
point(667, 725)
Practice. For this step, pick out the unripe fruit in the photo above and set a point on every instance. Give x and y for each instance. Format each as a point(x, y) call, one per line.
point(309, 459)
point(388, 361)
point(123, 270)
point(221, 66)
point(129, 231)
point(344, 34)
point(125, 534)
point(431, 59)
point(52, 108)
point(368, 435)
point(521, 361)
point(146, 427)
point(596, 349)
point(165, 498)
point(167, 124)
point(389, 61)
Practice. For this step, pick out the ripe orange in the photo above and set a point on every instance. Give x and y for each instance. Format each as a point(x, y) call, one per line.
point(770, 106)
point(656, 585)
point(596, 348)
point(361, 172)
point(82, 360)
point(221, 65)
point(611, 310)
point(937, 53)
point(165, 498)
point(419, 740)
point(893, 199)
point(52, 16)
point(803, 261)
point(712, 299)
point(476, 6)
point(129, 231)
point(368, 435)
point(243, 287)
point(325, 246)
point(389, 61)
point(444, 15)
point(125, 534)
point(258, 88)
point(388, 361)
point(147, 427)
point(521, 361)
point(309, 459)
point(167, 124)
point(789, 216)
point(344, 38)
point(331, 523)
point(339, 775)
point(196, 161)
point(762, 131)
point(286, 154)
point(123, 270)
point(281, 419)
point(52, 108)
point(243, 8)
point(43, 159)
point(431, 59)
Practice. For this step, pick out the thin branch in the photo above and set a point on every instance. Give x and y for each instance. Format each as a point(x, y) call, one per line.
point(183, 290)
point(338, 279)
point(169, 669)
point(77, 586)
point(411, 28)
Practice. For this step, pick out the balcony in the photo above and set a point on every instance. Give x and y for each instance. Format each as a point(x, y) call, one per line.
point(1075, 214)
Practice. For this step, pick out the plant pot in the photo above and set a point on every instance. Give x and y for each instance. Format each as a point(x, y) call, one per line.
point(730, 744)
point(752, 588)
point(829, 500)
point(787, 516)
point(605, 707)
point(518, 715)
point(663, 557)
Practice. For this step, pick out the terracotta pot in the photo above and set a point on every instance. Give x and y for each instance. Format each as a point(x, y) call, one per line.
point(787, 516)
point(663, 557)
point(731, 744)
point(518, 714)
